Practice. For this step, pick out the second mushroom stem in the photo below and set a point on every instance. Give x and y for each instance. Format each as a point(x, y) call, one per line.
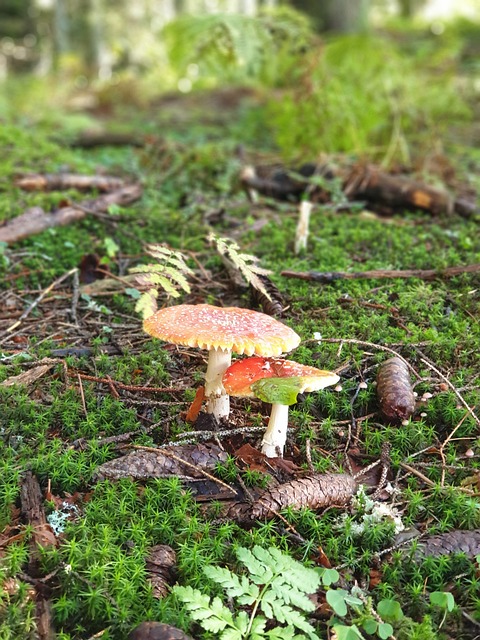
point(218, 401)
point(276, 434)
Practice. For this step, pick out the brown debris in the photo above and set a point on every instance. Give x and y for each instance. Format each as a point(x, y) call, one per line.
point(36, 220)
point(194, 409)
point(33, 514)
point(157, 631)
point(394, 389)
point(272, 304)
point(27, 377)
point(61, 181)
point(314, 492)
point(160, 566)
point(141, 464)
point(467, 542)
point(360, 182)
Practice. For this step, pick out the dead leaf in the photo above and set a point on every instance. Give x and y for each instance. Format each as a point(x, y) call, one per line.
point(194, 409)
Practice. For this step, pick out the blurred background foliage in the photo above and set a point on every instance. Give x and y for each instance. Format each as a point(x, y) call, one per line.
point(363, 76)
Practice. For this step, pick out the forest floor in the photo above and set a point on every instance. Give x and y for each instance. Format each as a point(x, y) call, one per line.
point(92, 385)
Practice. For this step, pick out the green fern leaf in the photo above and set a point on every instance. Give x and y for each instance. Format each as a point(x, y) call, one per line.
point(232, 634)
point(147, 303)
point(285, 613)
point(260, 573)
point(235, 586)
point(245, 263)
point(169, 274)
point(284, 592)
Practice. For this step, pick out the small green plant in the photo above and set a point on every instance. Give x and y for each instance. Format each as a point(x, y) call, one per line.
point(443, 600)
point(277, 586)
point(169, 273)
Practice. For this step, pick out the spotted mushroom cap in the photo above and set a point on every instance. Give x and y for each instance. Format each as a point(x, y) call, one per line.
point(208, 327)
point(240, 376)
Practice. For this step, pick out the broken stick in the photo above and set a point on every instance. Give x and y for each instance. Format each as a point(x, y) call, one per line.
point(35, 220)
point(327, 277)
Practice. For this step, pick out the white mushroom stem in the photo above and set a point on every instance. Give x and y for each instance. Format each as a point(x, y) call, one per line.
point(249, 173)
point(276, 434)
point(218, 401)
point(301, 235)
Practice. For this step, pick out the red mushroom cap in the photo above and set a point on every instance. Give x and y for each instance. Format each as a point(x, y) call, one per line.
point(230, 328)
point(240, 376)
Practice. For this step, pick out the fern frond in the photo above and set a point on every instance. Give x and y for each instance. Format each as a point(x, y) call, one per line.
point(260, 572)
point(235, 586)
point(147, 303)
point(245, 263)
point(169, 273)
point(238, 47)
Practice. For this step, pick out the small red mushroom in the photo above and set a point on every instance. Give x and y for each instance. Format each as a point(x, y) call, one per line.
point(221, 330)
point(279, 382)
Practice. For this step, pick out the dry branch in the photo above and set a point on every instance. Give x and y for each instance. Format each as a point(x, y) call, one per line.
point(315, 492)
point(327, 277)
point(61, 181)
point(35, 220)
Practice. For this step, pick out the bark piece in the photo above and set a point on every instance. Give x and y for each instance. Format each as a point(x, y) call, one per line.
point(33, 513)
point(394, 389)
point(61, 181)
point(29, 376)
point(160, 566)
point(141, 465)
point(315, 492)
point(467, 542)
point(36, 220)
point(157, 631)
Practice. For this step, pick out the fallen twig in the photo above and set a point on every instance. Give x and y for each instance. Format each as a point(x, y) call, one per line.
point(327, 277)
point(35, 220)
point(455, 391)
point(369, 345)
point(37, 301)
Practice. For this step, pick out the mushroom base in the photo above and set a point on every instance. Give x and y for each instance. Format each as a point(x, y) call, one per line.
point(219, 406)
point(275, 436)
